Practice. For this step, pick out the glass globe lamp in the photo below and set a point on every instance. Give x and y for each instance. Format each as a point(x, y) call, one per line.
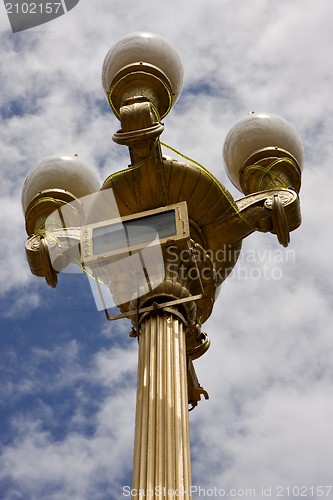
point(53, 182)
point(263, 151)
point(143, 64)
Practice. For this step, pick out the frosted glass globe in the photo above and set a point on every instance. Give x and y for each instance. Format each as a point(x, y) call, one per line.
point(146, 48)
point(255, 132)
point(65, 172)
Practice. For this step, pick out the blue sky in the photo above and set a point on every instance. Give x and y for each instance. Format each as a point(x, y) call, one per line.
point(68, 376)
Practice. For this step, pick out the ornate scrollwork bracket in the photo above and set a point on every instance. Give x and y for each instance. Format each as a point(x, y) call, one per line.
point(194, 389)
point(275, 210)
point(48, 271)
point(280, 223)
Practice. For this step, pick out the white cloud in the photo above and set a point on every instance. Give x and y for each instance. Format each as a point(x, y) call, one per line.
point(78, 465)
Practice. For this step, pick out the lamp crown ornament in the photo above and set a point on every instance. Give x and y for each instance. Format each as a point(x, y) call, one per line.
point(253, 144)
point(143, 64)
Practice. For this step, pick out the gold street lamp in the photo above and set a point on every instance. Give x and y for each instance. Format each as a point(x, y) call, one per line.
point(162, 235)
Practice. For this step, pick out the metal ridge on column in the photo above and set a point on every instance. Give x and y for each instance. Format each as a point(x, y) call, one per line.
point(162, 443)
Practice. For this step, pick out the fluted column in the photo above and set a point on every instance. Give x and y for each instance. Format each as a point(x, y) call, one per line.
point(162, 444)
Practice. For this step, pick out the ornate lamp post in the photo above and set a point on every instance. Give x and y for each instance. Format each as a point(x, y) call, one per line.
point(163, 236)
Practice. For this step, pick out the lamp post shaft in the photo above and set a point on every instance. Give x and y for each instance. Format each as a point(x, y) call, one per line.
point(162, 444)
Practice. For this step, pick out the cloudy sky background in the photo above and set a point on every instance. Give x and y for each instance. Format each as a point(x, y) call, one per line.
point(69, 376)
